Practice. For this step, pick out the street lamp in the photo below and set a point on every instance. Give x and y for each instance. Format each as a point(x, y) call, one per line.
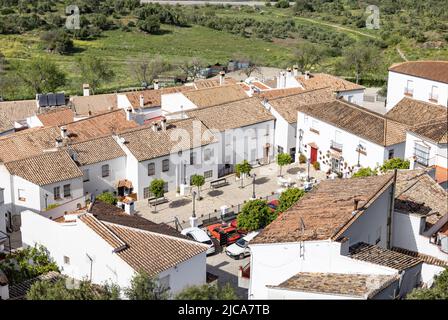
point(308, 178)
point(46, 201)
point(300, 140)
point(253, 186)
point(194, 197)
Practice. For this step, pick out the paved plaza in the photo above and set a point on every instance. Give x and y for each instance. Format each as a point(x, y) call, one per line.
point(212, 199)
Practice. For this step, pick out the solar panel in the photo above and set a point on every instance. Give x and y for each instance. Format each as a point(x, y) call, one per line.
point(43, 101)
point(60, 99)
point(51, 99)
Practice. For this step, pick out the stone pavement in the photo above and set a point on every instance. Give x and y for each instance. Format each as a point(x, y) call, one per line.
point(212, 199)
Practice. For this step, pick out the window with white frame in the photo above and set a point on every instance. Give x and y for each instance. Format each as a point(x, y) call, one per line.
point(57, 193)
point(67, 190)
point(434, 95)
point(146, 193)
point(421, 153)
point(66, 260)
point(409, 90)
point(165, 187)
point(85, 177)
point(208, 154)
point(21, 194)
point(151, 169)
point(2, 196)
point(164, 282)
point(105, 171)
point(350, 99)
point(192, 158)
point(166, 165)
point(208, 174)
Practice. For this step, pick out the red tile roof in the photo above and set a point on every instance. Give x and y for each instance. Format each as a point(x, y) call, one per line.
point(431, 70)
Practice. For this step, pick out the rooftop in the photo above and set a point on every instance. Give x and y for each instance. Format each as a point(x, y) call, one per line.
point(288, 106)
point(44, 169)
point(323, 80)
point(153, 98)
point(211, 83)
point(232, 115)
point(383, 257)
point(19, 290)
point(352, 285)
point(6, 124)
point(436, 131)
point(424, 257)
point(97, 150)
point(413, 112)
point(215, 95)
point(145, 144)
point(359, 121)
point(325, 212)
point(431, 70)
point(278, 93)
point(94, 104)
point(56, 117)
point(18, 110)
point(416, 192)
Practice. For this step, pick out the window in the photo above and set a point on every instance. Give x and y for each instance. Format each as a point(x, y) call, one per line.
point(165, 187)
point(146, 193)
point(350, 99)
point(57, 193)
point(67, 192)
point(434, 95)
point(279, 149)
point(208, 174)
point(391, 154)
point(105, 170)
point(151, 169)
point(208, 154)
point(421, 153)
point(21, 194)
point(192, 158)
point(85, 175)
point(165, 282)
point(165, 165)
point(314, 126)
point(2, 196)
point(409, 90)
point(66, 260)
point(253, 154)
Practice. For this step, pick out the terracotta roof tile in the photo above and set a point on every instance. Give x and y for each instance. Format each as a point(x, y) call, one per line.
point(278, 93)
point(387, 258)
point(6, 124)
point(326, 211)
point(232, 115)
point(436, 130)
point(46, 168)
point(153, 98)
point(424, 257)
point(18, 110)
point(104, 232)
point(432, 70)
point(288, 106)
point(56, 117)
point(413, 112)
point(94, 104)
point(211, 83)
point(323, 80)
point(19, 290)
point(352, 285)
point(215, 95)
point(97, 150)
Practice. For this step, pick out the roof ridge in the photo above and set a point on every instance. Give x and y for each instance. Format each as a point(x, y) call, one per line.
point(92, 116)
point(45, 153)
point(298, 93)
point(221, 104)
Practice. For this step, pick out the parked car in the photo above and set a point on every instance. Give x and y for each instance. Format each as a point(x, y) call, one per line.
point(225, 233)
point(240, 249)
point(234, 223)
point(273, 205)
point(201, 236)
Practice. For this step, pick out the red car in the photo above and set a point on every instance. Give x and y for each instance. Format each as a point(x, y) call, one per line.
point(273, 205)
point(234, 224)
point(224, 233)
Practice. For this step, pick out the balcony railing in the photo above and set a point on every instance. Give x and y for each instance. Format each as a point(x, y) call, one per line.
point(408, 92)
point(433, 97)
point(336, 145)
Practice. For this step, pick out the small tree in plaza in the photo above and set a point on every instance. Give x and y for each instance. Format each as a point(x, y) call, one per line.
point(364, 172)
point(242, 169)
point(283, 159)
point(198, 181)
point(157, 189)
point(395, 163)
point(255, 215)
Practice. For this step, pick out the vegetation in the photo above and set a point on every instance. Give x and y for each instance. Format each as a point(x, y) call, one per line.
point(52, 206)
point(157, 188)
point(438, 291)
point(288, 198)
point(364, 172)
point(66, 289)
point(243, 169)
point(302, 158)
point(395, 163)
point(283, 159)
point(144, 287)
point(255, 215)
point(316, 165)
point(95, 71)
point(108, 197)
point(198, 181)
point(208, 292)
point(26, 264)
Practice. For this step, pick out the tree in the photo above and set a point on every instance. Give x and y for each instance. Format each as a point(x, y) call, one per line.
point(147, 70)
point(360, 58)
point(198, 181)
point(157, 189)
point(144, 287)
point(208, 292)
point(283, 159)
point(438, 291)
point(255, 215)
point(95, 71)
point(251, 68)
point(364, 172)
point(288, 198)
point(243, 169)
point(191, 68)
point(308, 55)
point(107, 197)
point(57, 41)
point(395, 163)
point(150, 24)
point(41, 75)
point(62, 289)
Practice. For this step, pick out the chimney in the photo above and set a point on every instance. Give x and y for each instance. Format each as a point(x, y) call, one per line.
point(221, 78)
point(295, 70)
point(155, 128)
point(284, 80)
point(63, 132)
point(58, 141)
point(142, 101)
point(289, 72)
point(156, 84)
point(129, 114)
point(307, 75)
point(355, 204)
point(86, 89)
point(163, 124)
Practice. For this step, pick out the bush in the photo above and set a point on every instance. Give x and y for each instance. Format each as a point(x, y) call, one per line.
point(157, 188)
point(316, 165)
point(395, 163)
point(52, 206)
point(288, 198)
point(302, 158)
point(255, 215)
point(107, 197)
point(208, 292)
point(150, 24)
point(439, 290)
point(364, 172)
point(282, 4)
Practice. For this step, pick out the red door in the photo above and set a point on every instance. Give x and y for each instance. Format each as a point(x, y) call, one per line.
point(313, 155)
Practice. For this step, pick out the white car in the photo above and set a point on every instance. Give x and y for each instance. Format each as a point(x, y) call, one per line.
point(201, 236)
point(240, 249)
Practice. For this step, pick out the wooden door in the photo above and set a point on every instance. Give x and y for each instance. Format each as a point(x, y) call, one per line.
point(313, 155)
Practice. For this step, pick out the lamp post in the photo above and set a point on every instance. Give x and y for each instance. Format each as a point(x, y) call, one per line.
point(194, 198)
point(308, 177)
point(300, 140)
point(46, 201)
point(359, 149)
point(253, 186)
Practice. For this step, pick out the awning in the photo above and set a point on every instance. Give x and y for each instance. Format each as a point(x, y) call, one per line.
point(313, 145)
point(125, 183)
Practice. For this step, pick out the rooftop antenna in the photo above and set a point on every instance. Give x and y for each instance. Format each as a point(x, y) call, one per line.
point(301, 242)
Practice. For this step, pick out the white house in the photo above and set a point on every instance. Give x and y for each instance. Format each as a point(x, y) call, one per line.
point(341, 136)
point(85, 247)
point(245, 131)
point(337, 252)
point(421, 80)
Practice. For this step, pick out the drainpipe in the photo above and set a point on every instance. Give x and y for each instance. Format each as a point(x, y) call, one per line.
point(391, 211)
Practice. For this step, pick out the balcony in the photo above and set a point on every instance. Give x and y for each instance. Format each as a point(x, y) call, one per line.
point(434, 98)
point(408, 92)
point(336, 146)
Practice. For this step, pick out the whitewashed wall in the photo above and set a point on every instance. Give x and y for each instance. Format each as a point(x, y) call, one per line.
point(357, 96)
point(438, 153)
point(174, 101)
point(97, 184)
point(397, 83)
